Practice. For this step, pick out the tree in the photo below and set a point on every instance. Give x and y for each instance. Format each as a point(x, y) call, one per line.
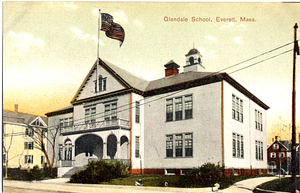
point(40, 138)
point(6, 147)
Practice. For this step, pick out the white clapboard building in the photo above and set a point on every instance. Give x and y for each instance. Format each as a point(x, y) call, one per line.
point(164, 126)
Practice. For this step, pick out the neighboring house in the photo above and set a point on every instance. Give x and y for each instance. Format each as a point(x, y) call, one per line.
point(19, 132)
point(279, 156)
point(164, 126)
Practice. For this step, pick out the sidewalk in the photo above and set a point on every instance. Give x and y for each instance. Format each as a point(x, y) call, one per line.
point(61, 185)
point(248, 185)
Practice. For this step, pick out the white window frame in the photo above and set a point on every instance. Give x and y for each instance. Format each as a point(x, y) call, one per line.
point(238, 146)
point(237, 108)
point(273, 155)
point(179, 105)
point(180, 141)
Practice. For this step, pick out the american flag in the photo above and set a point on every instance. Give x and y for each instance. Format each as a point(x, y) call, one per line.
point(116, 32)
point(106, 21)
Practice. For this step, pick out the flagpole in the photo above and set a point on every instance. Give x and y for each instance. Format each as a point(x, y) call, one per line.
point(98, 45)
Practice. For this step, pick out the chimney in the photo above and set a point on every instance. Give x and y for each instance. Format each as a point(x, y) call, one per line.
point(171, 69)
point(276, 138)
point(16, 108)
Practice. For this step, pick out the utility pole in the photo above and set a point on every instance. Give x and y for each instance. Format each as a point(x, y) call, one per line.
point(296, 49)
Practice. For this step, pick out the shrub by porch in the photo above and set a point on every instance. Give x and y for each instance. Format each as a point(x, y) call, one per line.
point(35, 173)
point(100, 171)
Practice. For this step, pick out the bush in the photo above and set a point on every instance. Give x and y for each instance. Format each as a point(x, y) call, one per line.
point(207, 175)
point(31, 174)
point(100, 171)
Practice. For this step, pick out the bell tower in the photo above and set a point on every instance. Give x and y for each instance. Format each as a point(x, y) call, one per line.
point(193, 61)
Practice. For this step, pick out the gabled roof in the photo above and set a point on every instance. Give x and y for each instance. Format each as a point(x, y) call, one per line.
point(192, 79)
point(131, 79)
point(283, 144)
point(68, 109)
point(175, 80)
point(127, 79)
point(21, 118)
point(133, 83)
point(286, 144)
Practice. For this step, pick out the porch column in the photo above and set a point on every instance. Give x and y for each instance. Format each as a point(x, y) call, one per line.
point(104, 150)
point(73, 155)
point(118, 153)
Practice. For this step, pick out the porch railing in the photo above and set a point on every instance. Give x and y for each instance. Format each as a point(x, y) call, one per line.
point(96, 125)
point(124, 161)
point(66, 163)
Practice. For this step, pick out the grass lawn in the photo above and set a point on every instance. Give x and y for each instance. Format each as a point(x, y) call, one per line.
point(174, 181)
point(283, 185)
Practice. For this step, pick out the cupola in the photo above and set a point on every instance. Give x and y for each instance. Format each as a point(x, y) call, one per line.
point(193, 61)
point(171, 68)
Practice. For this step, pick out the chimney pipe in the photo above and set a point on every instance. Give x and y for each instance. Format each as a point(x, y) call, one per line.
point(16, 108)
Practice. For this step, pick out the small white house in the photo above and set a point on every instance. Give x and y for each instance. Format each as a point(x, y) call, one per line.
point(165, 126)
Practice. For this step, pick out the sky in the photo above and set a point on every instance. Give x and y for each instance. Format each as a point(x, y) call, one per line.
point(49, 47)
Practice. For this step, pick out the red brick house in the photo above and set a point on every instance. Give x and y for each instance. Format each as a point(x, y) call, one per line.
point(277, 156)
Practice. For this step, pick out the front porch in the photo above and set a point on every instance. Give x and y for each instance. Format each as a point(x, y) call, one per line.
point(78, 149)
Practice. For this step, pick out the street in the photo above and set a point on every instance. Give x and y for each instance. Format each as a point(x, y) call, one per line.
point(60, 186)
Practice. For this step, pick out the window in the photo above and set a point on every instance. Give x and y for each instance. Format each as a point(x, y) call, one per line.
point(182, 142)
point(259, 150)
point(28, 159)
point(275, 146)
point(90, 115)
point(61, 123)
point(273, 155)
point(68, 151)
point(137, 146)
point(106, 112)
point(169, 109)
point(29, 131)
point(178, 145)
point(183, 108)
point(169, 145)
point(60, 152)
point(66, 122)
point(233, 144)
point(137, 112)
point(28, 145)
point(188, 106)
point(104, 83)
point(258, 120)
point(178, 108)
point(189, 145)
point(242, 146)
point(101, 83)
point(281, 154)
point(114, 111)
point(110, 111)
point(42, 160)
point(237, 109)
point(87, 116)
point(237, 145)
point(4, 158)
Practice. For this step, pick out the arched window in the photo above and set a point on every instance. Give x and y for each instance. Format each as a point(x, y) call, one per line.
point(191, 60)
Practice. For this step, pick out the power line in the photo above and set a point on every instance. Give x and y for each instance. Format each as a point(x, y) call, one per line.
point(213, 73)
point(260, 61)
point(165, 96)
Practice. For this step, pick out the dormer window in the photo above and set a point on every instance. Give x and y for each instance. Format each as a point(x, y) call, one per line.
point(102, 83)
